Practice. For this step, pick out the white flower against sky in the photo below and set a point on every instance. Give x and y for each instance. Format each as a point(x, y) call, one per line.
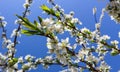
point(49, 58)
point(20, 59)
point(7, 40)
point(104, 67)
point(80, 55)
point(51, 44)
point(10, 45)
point(26, 66)
point(76, 21)
point(38, 60)
point(2, 18)
point(18, 21)
point(63, 60)
point(29, 1)
point(85, 30)
point(25, 5)
point(29, 57)
point(58, 28)
point(4, 23)
point(91, 58)
point(115, 42)
point(74, 69)
point(65, 43)
point(113, 8)
point(47, 21)
point(68, 16)
point(15, 65)
point(97, 25)
point(15, 33)
point(2, 58)
point(50, 28)
point(72, 13)
point(104, 37)
point(10, 70)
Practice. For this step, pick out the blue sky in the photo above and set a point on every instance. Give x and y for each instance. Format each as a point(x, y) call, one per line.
point(36, 45)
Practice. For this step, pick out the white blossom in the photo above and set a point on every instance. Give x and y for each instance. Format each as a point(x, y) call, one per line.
point(115, 42)
point(38, 60)
point(68, 16)
point(10, 70)
point(26, 66)
point(49, 58)
point(104, 37)
point(18, 21)
point(29, 1)
point(20, 59)
point(2, 18)
point(15, 33)
point(97, 25)
point(58, 28)
point(25, 5)
point(10, 46)
point(84, 30)
point(72, 13)
point(74, 20)
point(47, 21)
point(51, 44)
point(113, 8)
point(104, 67)
point(4, 23)
point(73, 69)
point(91, 58)
point(29, 57)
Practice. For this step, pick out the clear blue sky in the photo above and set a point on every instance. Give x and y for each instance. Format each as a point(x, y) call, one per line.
point(36, 45)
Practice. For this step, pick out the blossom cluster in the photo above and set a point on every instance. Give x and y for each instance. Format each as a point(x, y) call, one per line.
point(86, 52)
point(2, 22)
point(113, 8)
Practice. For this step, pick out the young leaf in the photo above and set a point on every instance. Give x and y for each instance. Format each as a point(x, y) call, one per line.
point(27, 23)
point(29, 32)
point(45, 8)
point(40, 19)
point(114, 53)
point(57, 14)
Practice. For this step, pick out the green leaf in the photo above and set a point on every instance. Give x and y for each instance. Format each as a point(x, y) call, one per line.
point(29, 32)
point(25, 67)
point(49, 10)
point(57, 14)
point(40, 19)
point(12, 61)
point(114, 53)
point(36, 23)
point(46, 9)
point(15, 59)
point(27, 23)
